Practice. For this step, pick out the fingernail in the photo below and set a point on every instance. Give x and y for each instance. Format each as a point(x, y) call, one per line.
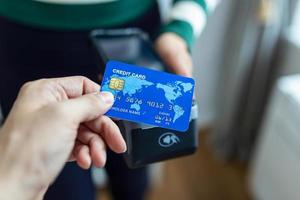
point(124, 147)
point(101, 159)
point(107, 97)
point(104, 157)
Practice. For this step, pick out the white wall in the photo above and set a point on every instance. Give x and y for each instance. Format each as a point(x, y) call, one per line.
point(207, 56)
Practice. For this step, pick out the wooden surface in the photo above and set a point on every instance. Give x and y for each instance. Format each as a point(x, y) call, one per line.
point(199, 177)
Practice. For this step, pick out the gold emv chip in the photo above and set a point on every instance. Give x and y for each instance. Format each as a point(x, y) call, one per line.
point(116, 84)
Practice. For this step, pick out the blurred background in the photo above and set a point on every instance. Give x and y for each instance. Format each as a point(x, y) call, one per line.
point(248, 91)
point(246, 64)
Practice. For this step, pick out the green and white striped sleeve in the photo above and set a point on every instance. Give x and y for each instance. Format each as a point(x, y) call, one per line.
point(188, 18)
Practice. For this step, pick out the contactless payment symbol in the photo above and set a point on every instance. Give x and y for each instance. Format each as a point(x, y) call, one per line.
point(116, 84)
point(168, 139)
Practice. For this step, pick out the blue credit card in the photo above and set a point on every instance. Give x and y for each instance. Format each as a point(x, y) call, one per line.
point(147, 96)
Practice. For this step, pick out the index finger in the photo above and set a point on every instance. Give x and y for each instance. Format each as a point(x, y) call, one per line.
point(75, 86)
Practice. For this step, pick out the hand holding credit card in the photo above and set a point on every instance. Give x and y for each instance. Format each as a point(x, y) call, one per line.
point(147, 96)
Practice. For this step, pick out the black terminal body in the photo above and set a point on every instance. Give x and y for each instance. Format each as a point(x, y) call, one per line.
point(146, 144)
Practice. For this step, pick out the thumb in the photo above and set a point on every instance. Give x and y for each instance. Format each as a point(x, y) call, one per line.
point(87, 107)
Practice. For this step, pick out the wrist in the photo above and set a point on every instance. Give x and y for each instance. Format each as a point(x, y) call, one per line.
point(169, 37)
point(16, 181)
point(181, 29)
point(9, 187)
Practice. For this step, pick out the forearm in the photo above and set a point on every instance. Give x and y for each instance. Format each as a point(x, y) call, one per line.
point(16, 190)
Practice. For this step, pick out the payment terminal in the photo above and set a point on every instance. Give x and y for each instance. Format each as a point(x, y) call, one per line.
point(145, 144)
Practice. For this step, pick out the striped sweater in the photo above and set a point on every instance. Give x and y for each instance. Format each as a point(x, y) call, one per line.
point(187, 17)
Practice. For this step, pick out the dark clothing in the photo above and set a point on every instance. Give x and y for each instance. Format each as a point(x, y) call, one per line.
point(27, 54)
